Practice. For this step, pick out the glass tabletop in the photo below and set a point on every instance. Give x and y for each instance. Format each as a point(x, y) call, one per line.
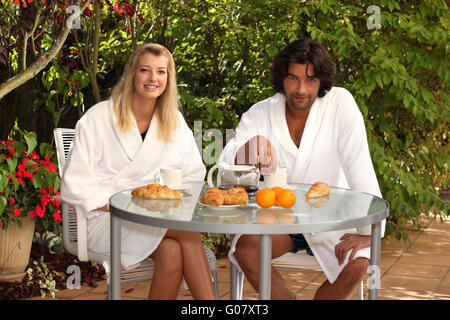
point(341, 209)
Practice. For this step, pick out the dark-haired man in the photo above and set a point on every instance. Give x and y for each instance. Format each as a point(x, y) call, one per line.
point(317, 132)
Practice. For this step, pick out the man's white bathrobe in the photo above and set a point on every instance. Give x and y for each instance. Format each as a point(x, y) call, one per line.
point(333, 149)
point(105, 160)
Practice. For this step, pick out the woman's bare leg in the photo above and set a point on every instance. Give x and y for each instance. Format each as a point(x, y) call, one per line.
point(195, 264)
point(168, 272)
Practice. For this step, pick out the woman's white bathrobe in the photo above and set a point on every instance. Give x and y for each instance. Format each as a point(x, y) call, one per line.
point(105, 160)
point(333, 149)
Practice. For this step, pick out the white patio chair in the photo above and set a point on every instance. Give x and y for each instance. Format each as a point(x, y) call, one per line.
point(75, 229)
point(293, 262)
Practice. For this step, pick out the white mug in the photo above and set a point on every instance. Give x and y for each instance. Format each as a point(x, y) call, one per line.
point(277, 179)
point(171, 177)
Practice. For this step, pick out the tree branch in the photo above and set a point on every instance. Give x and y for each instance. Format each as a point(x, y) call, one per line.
point(41, 62)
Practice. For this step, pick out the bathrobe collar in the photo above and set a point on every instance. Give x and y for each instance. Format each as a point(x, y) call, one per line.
point(280, 129)
point(131, 141)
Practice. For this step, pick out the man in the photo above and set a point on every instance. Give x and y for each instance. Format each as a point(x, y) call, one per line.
point(317, 132)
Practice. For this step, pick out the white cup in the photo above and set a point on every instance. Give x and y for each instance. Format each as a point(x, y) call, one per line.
point(171, 177)
point(277, 179)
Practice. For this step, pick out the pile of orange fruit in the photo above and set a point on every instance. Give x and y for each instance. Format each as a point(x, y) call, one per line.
point(267, 198)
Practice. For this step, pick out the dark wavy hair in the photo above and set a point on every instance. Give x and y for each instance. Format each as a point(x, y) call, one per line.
point(304, 51)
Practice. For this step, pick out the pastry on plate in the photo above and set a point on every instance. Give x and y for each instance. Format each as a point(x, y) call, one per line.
point(235, 196)
point(213, 197)
point(318, 202)
point(318, 189)
point(217, 197)
point(157, 205)
point(156, 191)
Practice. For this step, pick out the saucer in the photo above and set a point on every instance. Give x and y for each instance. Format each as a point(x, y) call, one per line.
point(223, 207)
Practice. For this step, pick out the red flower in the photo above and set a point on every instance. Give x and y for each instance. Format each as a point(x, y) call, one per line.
point(75, 51)
point(45, 200)
point(11, 200)
point(40, 211)
point(16, 212)
point(57, 215)
point(87, 12)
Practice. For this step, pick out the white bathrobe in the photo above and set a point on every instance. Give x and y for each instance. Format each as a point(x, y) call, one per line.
point(105, 160)
point(333, 149)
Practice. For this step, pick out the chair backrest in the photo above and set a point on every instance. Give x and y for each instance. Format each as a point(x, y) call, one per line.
point(63, 141)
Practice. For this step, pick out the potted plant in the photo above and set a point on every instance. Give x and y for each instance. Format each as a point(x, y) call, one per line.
point(28, 183)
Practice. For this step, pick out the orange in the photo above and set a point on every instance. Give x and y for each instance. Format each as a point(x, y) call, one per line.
point(277, 191)
point(266, 198)
point(286, 198)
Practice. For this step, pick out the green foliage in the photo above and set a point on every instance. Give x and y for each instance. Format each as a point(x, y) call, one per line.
point(45, 276)
point(28, 183)
point(219, 243)
point(397, 76)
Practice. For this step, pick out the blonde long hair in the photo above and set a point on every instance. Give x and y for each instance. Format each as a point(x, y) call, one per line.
point(167, 104)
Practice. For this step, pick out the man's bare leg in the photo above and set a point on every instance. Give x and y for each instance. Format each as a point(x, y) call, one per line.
point(346, 283)
point(247, 254)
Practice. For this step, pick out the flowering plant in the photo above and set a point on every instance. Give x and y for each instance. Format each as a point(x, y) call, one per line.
point(28, 183)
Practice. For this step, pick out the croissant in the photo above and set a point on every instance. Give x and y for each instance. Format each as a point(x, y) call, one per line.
point(213, 197)
point(156, 192)
point(235, 196)
point(318, 202)
point(318, 189)
point(217, 197)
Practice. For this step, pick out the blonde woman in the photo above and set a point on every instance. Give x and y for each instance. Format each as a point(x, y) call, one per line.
point(120, 144)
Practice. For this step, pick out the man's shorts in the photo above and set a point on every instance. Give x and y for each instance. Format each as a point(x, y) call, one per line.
point(300, 243)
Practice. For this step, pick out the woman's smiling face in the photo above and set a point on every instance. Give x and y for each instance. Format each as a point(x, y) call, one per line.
point(150, 78)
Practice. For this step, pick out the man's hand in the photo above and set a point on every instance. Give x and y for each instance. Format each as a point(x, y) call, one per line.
point(258, 151)
point(350, 241)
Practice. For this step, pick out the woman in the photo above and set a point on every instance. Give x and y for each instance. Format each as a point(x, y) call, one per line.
point(120, 144)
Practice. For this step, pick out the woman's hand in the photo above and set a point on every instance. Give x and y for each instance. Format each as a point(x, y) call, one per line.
point(258, 151)
point(350, 241)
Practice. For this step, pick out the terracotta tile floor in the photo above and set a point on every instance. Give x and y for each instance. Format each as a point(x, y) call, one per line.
point(417, 270)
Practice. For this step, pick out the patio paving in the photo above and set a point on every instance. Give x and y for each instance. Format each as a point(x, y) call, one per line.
point(415, 270)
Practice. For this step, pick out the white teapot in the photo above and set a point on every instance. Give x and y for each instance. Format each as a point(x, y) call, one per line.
point(233, 176)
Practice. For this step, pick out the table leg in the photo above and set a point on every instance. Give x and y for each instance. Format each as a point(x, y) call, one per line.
point(375, 253)
point(265, 266)
point(115, 237)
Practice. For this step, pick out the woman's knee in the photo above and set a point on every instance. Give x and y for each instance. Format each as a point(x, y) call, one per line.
point(184, 235)
point(169, 254)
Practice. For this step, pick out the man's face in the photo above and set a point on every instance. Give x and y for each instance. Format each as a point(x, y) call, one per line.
point(301, 86)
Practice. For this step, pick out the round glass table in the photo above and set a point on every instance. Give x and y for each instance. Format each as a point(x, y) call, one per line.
point(341, 209)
